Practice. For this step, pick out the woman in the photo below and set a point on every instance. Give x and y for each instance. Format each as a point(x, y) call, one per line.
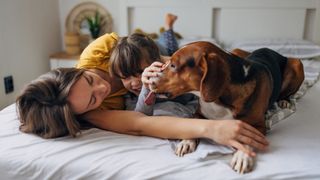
point(62, 101)
point(49, 107)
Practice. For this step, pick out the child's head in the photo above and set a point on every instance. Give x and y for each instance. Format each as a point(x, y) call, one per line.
point(129, 58)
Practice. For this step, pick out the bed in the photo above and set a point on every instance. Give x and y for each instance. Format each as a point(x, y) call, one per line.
point(101, 154)
point(97, 154)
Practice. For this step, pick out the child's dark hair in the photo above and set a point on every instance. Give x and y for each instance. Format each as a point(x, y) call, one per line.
point(127, 56)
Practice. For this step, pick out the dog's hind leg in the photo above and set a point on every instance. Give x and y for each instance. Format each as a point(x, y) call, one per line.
point(293, 76)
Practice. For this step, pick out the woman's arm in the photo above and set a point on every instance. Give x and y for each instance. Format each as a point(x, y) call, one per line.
point(227, 132)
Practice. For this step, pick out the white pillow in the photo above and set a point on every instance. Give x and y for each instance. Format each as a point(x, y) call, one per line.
point(287, 47)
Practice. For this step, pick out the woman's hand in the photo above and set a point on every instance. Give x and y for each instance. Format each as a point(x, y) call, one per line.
point(151, 72)
point(237, 134)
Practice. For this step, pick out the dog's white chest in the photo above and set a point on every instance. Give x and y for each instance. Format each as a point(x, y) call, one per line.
point(212, 110)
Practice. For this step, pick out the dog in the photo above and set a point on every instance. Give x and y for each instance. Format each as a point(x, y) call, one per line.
point(230, 85)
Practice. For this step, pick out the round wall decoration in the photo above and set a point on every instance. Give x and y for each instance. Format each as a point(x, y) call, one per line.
point(76, 21)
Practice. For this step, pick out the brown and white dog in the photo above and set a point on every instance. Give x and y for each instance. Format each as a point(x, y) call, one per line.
point(236, 85)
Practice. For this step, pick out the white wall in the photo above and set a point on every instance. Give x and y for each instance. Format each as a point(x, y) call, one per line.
point(227, 20)
point(149, 19)
point(224, 20)
point(29, 33)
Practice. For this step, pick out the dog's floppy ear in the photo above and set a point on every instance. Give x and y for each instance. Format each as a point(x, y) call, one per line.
point(214, 77)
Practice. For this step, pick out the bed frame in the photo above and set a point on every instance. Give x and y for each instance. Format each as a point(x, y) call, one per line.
point(226, 20)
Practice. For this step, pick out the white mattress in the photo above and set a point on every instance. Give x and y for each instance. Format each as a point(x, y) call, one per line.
point(293, 153)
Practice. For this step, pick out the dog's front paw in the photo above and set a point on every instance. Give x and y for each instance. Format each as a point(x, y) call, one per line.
point(284, 104)
point(186, 146)
point(242, 162)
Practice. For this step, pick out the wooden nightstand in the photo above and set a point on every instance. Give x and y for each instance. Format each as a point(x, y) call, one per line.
point(63, 59)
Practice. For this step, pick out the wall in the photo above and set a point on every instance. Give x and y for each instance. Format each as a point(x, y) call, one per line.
point(227, 20)
point(147, 19)
point(29, 33)
point(214, 18)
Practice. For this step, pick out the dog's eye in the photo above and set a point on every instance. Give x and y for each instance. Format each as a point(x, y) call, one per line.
point(172, 66)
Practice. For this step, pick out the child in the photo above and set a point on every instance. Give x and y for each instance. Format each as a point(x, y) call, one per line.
point(132, 55)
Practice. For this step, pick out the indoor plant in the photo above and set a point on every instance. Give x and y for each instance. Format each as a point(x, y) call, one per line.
point(95, 23)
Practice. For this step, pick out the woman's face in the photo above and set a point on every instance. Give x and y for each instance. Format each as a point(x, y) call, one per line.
point(88, 92)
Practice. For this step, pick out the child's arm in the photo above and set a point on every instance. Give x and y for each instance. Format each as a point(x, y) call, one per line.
point(141, 106)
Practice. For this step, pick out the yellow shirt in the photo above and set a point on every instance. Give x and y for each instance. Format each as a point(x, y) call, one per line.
point(96, 56)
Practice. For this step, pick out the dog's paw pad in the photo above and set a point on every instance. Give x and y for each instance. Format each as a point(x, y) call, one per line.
point(185, 147)
point(241, 162)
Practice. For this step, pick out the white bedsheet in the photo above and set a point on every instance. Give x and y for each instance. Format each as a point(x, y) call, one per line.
point(293, 153)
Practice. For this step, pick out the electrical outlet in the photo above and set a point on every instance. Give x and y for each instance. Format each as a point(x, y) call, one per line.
point(8, 84)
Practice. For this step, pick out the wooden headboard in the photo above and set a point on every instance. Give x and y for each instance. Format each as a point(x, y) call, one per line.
point(226, 20)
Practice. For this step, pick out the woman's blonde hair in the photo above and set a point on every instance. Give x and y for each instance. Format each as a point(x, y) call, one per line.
point(43, 107)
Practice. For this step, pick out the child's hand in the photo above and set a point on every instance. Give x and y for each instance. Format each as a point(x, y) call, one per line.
point(151, 73)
